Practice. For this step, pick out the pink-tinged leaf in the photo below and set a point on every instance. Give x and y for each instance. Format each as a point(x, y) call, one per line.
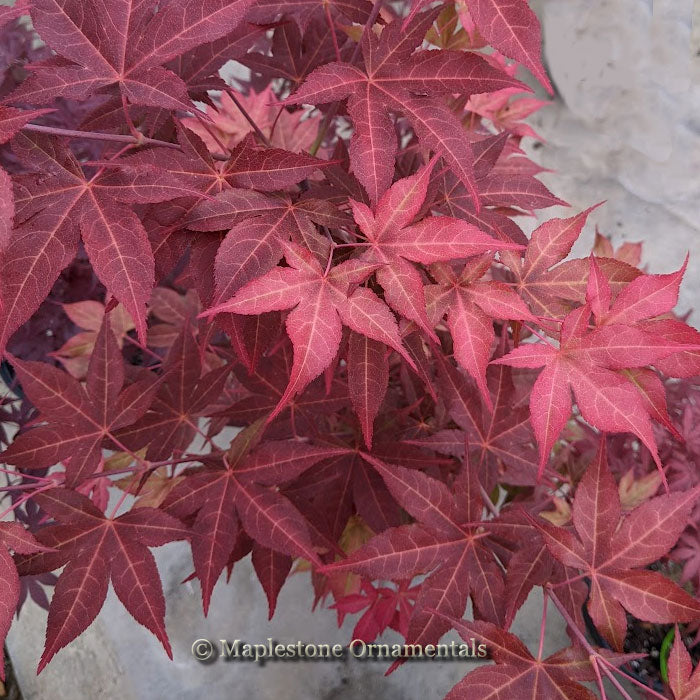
point(512, 28)
point(651, 596)
point(250, 250)
point(368, 379)
point(443, 238)
point(277, 462)
point(646, 297)
point(398, 553)
point(653, 395)
point(522, 191)
point(608, 616)
point(156, 87)
point(119, 249)
point(373, 149)
point(7, 210)
point(179, 28)
point(552, 241)
point(681, 364)
point(550, 408)
point(562, 544)
point(427, 500)
point(611, 403)
point(530, 566)
point(269, 169)
point(472, 335)
point(598, 292)
point(651, 529)
point(9, 597)
point(597, 510)
point(214, 535)
point(365, 313)
point(684, 682)
point(315, 331)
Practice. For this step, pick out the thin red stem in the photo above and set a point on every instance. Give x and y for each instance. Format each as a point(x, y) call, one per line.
point(247, 116)
point(25, 498)
point(129, 122)
point(543, 623)
point(331, 26)
point(607, 668)
point(225, 151)
point(97, 136)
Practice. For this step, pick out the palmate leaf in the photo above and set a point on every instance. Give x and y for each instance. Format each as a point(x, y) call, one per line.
point(611, 552)
point(394, 243)
point(51, 214)
point(517, 674)
point(322, 303)
point(470, 306)
point(551, 289)
point(684, 681)
point(443, 543)
point(94, 550)
point(13, 536)
point(500, 442)
point(78, 420)
point(587, 363)
point(170, 424)
point(510, 26)
point(237, 498)
point(397, 79)
point(122, 45)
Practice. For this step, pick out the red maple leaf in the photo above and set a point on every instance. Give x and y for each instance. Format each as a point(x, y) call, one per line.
point(396, 78)
point(95, 549)
point(588, 362)
point(395, 243)
point(551, 289)
point(682, 678)
point(510, 26)
point(13, 537)
point(445, 542)
point(610, 549)
point(236, 497)
point(52, 214)
point(470, 306)
point(77, 420)
point(386, 608)
point(122, 46)
point(170, 424)
point(322, 302)
point(517, 673)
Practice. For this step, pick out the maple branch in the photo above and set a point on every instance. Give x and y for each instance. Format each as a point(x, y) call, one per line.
point(129, 121)
point(14, 472)
point(26, 497)
point(543, 623)
point(247, 117)
point(97, 136)
point(331, 26)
